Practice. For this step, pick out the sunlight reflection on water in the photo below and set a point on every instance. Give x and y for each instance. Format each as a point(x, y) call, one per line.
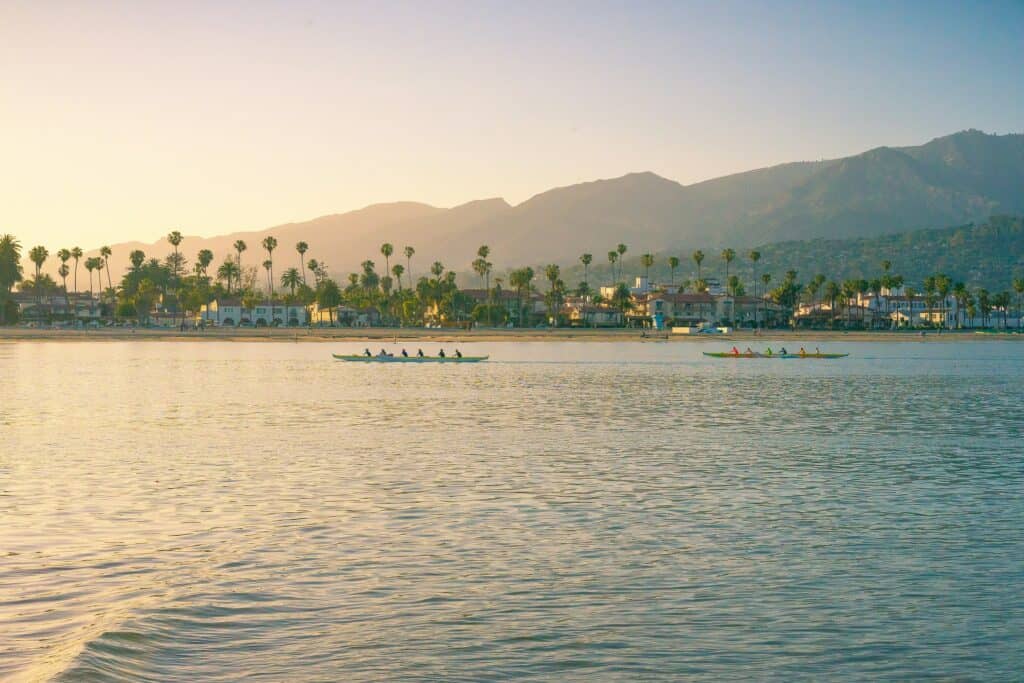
point(206, 511)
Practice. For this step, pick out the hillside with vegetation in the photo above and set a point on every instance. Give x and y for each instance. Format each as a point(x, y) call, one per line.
point(989, 254)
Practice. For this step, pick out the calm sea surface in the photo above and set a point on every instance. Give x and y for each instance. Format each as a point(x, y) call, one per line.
point(217, 511)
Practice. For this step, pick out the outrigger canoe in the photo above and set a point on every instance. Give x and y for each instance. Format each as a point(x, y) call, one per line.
point(774, 355)
point(408, 359)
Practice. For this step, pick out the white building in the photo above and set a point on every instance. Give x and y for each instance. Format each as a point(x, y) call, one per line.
point(231, 312)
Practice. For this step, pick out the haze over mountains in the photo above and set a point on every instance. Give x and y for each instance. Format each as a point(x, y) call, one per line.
point(951, 180)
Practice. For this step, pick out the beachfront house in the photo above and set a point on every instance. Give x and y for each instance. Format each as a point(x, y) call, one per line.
point(231, 312)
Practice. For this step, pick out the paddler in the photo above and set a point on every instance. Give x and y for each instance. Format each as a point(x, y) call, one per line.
point(736, 351)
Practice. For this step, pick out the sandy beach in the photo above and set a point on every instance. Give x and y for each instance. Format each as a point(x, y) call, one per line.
point(389, 334)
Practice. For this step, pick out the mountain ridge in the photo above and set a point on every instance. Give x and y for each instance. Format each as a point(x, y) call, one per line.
point(950, 180)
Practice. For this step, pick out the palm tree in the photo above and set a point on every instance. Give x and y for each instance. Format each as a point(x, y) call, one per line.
point(270, 244)
point(63, 271)
point(832, 292)
point(586, 260)
point(106, 252)
point(386, 251)
point(729, 255)
point(91, 264)
point(613, 256)
point(10, 270)
point(647, 260)
point(291, 279)
point(76, 254)
point(240, 246)
point(397, 271)
point(698, 258)
point(227, 272)
point(621, 249)
point(1018, 287)
point(521, 279)
point(673, 264)
point(302, 248)
point(137, 257)
point(38, 256)
point(203, 260)
point(942, 287)
point(960, 296)
point(409, 251)
point(765, 279)
point(174, 238)
point(754, 256)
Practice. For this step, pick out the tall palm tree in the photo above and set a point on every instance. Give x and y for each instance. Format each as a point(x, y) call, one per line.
point(38, 256)
point(175, 239)
point(521, 279)
point(270, 244)
point(647, 260)
point(673, 264)
point(302, 248)
point(909, 293)
point(314, 267)
point(698, 258)
point(754, 255)
point(621, 249)
point(386, 251)
point(91, 264)
point(1018, 287)
point(63, 271)
point(586, 260)
point(105, 253)
point(409, 251)
point(239, 246)
point(76, 254)
point(613, 256)
point(765, 279)
point(729, 255)
point(397, 270)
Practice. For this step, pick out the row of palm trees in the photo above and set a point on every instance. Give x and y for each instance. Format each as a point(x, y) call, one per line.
point(372, 289)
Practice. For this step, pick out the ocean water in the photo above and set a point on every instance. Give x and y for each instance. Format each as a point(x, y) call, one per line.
point(187, 511)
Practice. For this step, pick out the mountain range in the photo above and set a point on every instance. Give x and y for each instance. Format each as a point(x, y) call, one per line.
point(952, 180)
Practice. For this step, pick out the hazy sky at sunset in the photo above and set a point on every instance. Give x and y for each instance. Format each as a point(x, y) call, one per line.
point(125, 120)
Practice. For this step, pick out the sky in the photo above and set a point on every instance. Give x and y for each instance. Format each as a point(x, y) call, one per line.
point(124, 120)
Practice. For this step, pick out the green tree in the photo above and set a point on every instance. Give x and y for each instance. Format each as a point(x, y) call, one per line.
point(38, 255)
point(239, 246)
point(673, 264)
point(105, 254)
point(76, 254)
point(1018, 287)
point(386, 251)
point(397, 270)
point(291, 279)
point(10, 272)
point(270, 244)
point(227, 272)
point(729, 255)
point(409, 253)
point(522, 280)
point(137, 258)
point(613, 256)
point(586, 260)
point(302, 248)
point(174, 238)
point(647, 260)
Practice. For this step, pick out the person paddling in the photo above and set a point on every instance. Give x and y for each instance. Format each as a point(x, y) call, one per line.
point(458, 354)
point(366, 352)
point(405, 354)
point(440, 354)
point(419, 353)
point(783, 351)
point(736, 351)
point(803, 353)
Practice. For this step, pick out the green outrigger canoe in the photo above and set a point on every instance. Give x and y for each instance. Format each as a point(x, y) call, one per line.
point(783, 356)
point(408, 359)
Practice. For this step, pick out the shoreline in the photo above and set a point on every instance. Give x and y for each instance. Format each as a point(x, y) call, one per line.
point(391, 335)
